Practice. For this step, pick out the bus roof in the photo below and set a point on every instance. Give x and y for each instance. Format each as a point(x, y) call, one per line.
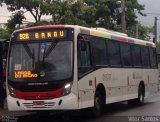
point(99, 32)
point(114, 35)
point(42, 27)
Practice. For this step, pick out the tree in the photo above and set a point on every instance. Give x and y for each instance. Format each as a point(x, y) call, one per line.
point(15, 19)
point(4, 34)
point(100, 13)
point(106, 15)
point(72, 12)
point(66, 15)
point(37, 8)
point(140, 31)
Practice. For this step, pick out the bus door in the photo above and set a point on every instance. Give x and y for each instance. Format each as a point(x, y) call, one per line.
point(84, 74)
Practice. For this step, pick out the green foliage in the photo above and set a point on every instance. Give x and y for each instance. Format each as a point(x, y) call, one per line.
point(15, 19)
point(107, 16)
point(43, 22)
point(141, 31)
point(132, 6)
point(72, 12)
point(4, 34)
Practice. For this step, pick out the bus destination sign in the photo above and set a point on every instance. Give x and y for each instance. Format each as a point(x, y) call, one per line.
point(39, 35)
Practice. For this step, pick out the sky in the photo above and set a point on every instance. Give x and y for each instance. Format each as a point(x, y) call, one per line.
point(152, 9)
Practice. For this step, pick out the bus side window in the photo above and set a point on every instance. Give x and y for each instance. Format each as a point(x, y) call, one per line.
point(153, 58)
point(136, 55)
point(114, 53)
point(126, 54)
point(145, 56)
point(84, 62)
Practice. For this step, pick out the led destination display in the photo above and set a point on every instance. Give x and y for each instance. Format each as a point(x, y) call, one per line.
point(39, 35)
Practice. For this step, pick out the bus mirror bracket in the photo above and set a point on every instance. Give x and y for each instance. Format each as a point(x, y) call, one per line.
point(82, 43)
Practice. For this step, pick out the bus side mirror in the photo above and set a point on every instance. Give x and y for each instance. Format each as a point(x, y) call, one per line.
point(83, 45)
point(154, 40)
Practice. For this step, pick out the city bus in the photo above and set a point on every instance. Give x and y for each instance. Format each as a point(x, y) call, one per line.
point(70, 67)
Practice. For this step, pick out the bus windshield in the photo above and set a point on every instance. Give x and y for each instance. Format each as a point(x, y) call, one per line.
point(42, 61)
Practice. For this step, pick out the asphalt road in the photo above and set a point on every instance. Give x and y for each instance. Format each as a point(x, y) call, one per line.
point(118, 112)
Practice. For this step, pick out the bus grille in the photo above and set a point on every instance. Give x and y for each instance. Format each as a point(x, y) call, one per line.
point(45, 105)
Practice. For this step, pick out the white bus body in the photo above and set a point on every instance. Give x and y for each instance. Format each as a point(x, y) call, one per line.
point(115, 83)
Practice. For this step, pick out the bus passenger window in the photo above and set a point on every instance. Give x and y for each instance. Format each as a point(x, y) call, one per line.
point(126, 54)
point(99, 52)
point(136, 55)
point(145, 56)
point(153, 59)
point(114, 53)
point(84, 63)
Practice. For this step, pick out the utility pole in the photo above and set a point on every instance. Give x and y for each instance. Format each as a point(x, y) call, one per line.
point(123, 18)
point(137, 31)
point(155, 30)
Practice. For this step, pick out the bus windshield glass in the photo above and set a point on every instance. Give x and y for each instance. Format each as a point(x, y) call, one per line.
point(40, 61)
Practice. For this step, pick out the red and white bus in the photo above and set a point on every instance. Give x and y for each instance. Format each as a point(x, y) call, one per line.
point(70, 67)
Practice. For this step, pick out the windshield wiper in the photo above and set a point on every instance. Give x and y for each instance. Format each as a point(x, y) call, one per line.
point(30, 54)
point(33, 57)
point(26, 47)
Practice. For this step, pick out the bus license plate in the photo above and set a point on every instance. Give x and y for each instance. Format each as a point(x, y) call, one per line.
point(38, 103)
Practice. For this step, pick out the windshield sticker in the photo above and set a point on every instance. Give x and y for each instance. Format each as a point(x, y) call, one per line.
point(25, 74)
point(43, 45)
point(17, 67)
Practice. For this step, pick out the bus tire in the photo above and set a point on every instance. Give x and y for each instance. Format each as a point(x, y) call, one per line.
point(98, 104)
point(140, 99)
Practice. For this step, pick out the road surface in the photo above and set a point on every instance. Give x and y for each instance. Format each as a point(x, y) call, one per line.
point(118, 112)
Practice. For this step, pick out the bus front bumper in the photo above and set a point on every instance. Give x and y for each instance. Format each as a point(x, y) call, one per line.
point(68, 102)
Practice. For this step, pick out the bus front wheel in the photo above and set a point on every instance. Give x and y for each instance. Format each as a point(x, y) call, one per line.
point(98, 104)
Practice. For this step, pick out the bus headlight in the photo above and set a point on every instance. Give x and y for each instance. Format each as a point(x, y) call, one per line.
point(11, 91)
point(67, 89)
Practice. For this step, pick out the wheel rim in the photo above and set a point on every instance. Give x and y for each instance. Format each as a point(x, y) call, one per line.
point(141, 98)
point(97, 104)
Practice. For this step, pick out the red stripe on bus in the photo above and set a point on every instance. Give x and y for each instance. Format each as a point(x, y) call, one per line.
point(39, 95)
point(95, 82)
point(123, 39)
point(128, 80)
